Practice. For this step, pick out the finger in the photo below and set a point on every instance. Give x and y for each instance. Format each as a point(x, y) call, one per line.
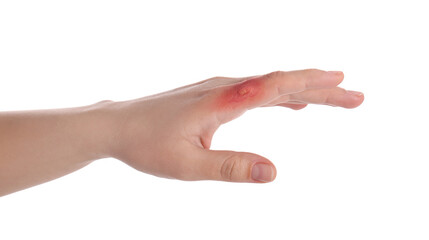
point(232, 100)
point(294, 106)
point(256, 91)
point(232, 167)
point(333, 97)
point(301, 80)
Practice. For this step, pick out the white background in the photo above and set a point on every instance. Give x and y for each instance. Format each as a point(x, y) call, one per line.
point(342, 174)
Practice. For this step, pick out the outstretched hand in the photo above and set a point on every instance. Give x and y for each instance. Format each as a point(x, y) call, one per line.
point(169, 134)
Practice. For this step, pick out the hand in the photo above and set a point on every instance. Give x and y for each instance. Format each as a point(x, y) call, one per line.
point(169, 134)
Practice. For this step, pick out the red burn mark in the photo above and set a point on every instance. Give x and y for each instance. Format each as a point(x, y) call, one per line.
point(241, 94)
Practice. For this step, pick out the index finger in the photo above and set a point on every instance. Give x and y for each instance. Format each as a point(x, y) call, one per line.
point(257, 91)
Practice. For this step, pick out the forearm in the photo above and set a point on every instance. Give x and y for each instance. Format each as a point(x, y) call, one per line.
point(38, 146)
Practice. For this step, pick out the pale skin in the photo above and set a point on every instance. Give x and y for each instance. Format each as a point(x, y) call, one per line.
point(166, 135)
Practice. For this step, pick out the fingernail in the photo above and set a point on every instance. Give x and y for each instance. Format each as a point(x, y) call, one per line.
point(335, 72)
point(262, 172)
point(354, 93)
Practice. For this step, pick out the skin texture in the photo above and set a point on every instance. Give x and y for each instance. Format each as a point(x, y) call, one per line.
point(237, 95)
point(166, 135)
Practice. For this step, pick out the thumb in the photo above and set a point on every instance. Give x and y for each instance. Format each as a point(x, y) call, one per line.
point(234, 166)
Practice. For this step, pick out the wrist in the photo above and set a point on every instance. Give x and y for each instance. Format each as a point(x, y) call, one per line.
point(100, 128)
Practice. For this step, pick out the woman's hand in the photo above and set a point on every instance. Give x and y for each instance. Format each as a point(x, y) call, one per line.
point(169, 134)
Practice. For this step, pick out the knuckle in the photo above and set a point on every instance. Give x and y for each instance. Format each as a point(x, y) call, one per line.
point(314, 71)
point(216, 78)
point(103, 102)
point(232, 168)
point(275, 74)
